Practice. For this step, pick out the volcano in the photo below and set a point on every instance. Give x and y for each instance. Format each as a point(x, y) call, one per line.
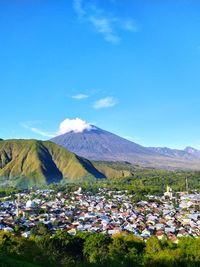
point(101, 145)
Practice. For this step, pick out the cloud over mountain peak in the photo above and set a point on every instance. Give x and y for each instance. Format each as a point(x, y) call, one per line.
point(74, 125)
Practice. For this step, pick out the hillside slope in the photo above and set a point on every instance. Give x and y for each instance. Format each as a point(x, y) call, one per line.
point(43, 162)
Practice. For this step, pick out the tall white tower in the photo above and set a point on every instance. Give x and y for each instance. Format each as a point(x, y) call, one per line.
point(17, 205)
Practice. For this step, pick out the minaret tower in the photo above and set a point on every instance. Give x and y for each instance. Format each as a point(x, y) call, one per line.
point(17, 205)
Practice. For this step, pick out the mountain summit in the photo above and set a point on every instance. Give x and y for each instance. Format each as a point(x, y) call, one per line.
point(98, 144)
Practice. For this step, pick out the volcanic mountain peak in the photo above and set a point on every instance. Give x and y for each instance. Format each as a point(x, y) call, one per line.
point(98, 144)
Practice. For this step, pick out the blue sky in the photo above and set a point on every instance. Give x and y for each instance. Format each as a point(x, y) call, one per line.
point(130, 67)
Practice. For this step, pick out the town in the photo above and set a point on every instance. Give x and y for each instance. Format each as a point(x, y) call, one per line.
point(171, 216)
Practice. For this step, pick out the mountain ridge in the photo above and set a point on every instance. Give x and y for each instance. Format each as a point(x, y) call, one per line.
point(43, 162)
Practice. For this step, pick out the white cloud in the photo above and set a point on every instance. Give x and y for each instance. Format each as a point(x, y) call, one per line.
point(80, 96)
point(129, 25)
point(103, 22)
point(104, 26)
point(105, 103)
point(40, 132)
point(37, 131)
point(78, 8)
point(76, 125)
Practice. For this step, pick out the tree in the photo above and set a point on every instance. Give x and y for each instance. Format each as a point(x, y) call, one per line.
point(96, 248)
point(126, 250)
point(39, 229)
point(189, 249)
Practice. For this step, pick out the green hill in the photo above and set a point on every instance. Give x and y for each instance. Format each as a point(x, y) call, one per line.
point(42, 162)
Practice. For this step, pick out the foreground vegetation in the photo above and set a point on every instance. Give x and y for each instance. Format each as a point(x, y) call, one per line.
point(90, 249)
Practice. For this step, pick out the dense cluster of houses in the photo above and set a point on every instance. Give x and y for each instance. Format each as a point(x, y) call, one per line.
point(106, 211)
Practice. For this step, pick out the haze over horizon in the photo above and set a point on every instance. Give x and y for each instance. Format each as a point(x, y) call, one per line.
point(130, 68)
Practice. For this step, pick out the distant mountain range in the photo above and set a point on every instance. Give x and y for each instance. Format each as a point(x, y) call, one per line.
point(37, 162)
point(187, 153)
point(98, 144)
